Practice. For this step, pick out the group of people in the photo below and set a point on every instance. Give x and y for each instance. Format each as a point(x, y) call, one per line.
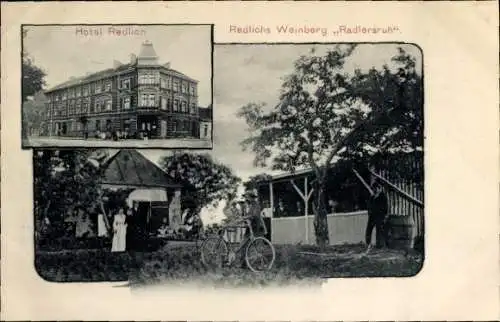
point(114, 135)
point(258, 214)
point(127, 229)
point(190, 226)
point(297, 209)
point(378, 208)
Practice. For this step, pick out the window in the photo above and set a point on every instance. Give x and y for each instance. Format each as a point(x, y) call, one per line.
point(85, 91)
point(176, 85)
point(184, 107)
point(64, 96)
point(205, 130)
point(191, 90)
point(176, 105)
point(184, 88)
point(71, 93)
point(148, 79)
point(78, 91)
point(126, 103)
point(108, 87)
point(163, 82)
point(143, 100)
point(163, 103)
point(98, 87)
point(56, 98)
point(169, 103)
point(108, 105)
point(71, 107)
point(78, 106)
point(168, 80)
point(85, 106)
point(174, 126)
point(125, 83)
point(98, 125)
point(151, 100)
point(98, 106)
point(193, 108)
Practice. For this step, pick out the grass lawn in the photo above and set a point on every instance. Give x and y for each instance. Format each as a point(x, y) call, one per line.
point(178, 263)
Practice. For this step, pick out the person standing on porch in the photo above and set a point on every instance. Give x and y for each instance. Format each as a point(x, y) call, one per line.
point(377, 212)
point(119, 231)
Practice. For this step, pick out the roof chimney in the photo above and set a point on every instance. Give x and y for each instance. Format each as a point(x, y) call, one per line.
point(116, 64)
point(133, 58)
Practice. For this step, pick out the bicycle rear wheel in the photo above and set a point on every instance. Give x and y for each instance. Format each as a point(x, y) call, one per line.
point(260, 255)
point(214, 252)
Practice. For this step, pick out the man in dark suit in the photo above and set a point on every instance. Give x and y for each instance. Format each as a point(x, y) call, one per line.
point(377, 212)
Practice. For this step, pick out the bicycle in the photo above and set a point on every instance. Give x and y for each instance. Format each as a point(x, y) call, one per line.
point(215, 250)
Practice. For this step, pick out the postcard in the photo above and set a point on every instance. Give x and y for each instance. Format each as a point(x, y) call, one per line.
point(250, 161)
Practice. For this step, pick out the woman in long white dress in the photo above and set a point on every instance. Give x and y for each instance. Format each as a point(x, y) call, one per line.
point(119, 232)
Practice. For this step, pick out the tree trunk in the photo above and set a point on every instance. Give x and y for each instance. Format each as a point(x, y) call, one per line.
point(320, 218)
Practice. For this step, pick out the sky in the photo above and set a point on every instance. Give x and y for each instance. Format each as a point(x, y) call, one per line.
point(63, 53)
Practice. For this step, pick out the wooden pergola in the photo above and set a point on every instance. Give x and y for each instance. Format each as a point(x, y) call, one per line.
point(305, 192)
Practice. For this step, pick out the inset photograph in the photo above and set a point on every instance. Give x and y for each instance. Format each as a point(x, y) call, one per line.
point(117, 86)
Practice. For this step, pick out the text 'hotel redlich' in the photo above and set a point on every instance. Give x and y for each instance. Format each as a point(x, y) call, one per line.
point(140, 98)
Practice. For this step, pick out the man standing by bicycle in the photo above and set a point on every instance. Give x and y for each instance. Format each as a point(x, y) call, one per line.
point(255, 216)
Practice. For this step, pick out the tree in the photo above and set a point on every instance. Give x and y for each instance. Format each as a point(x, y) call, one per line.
point(63, 179)
point(210, 181)
point(33, 81)
point(253, 182)
point(325, 115)
point(33, 112)
point(33, 76)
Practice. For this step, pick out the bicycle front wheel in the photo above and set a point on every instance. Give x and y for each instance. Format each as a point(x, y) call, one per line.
point(260, 255)
point(214, 252)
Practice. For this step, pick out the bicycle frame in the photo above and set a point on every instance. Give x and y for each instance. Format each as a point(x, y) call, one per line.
point(245, 240)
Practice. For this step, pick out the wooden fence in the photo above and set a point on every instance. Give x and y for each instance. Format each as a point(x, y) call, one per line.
point(398, 186)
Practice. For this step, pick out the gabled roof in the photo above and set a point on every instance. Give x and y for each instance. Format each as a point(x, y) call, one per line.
point(131, 168)
point(91, 77)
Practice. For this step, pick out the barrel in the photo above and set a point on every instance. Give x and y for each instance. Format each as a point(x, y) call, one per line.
point(401, 232)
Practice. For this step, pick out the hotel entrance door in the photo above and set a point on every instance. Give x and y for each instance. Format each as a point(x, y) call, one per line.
point(148, 126)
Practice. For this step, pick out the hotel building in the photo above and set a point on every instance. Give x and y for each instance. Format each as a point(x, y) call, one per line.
point(139, 98)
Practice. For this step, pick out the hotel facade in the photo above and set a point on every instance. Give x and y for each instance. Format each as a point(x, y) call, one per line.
point(141, 98)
